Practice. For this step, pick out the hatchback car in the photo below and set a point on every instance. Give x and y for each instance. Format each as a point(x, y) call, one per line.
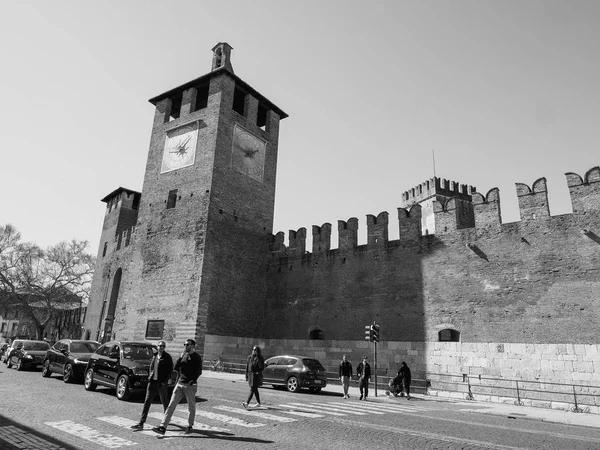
point(28, 355)
point(68, 358)
point(123, 366)
point(295, 372)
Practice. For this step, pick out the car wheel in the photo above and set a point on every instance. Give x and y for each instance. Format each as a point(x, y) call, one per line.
point(88, 383)
point(315, 390)
point(123, 387)
point(46, 372)
point(68, 373)
point(292, 384)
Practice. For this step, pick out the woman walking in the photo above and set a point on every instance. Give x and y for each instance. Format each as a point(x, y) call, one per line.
point(254, 368)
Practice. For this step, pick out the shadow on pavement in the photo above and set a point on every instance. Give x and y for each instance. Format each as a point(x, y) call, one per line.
point(14, 435)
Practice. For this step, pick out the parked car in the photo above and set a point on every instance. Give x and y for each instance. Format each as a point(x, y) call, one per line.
point(69, 358)
point(28, 355)
point(123, 366)
point(295, 372)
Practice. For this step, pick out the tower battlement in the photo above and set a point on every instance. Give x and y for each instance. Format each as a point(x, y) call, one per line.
point(436, 187)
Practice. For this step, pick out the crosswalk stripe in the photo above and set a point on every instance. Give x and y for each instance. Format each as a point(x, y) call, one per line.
point(380, 407)
point(321, 407)
point(255, 413)
point(376, 408)
point(301, 414)
point(89, 434)
point(225, 419)
point(184, 423)
point(122, 422)
point(306, 408)
point(353, 407)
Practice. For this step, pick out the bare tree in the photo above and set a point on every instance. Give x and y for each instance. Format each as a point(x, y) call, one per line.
point(41, 283)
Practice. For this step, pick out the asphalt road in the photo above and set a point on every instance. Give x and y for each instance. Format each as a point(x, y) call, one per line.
point(38, 413)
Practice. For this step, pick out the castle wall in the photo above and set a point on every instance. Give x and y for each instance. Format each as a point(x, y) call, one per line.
point(530, 282)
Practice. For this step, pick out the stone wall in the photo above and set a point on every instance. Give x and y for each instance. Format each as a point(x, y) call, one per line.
point(492, 369)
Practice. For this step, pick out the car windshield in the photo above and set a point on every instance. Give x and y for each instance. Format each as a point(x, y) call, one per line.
point(36, 346)
point(137, 351)
point(84, 347)
point(312, 364)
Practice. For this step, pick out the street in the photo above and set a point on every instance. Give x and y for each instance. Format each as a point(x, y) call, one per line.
point(38, 413)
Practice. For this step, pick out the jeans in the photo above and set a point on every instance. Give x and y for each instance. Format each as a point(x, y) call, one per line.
point(345, 384)
point(363, 384)
point(151, 391)
point(181, 390)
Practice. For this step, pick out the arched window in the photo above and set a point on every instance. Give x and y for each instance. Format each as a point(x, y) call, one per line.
point(316, 334)
point(449, 335)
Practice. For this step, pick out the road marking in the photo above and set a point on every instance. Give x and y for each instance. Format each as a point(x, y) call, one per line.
point(184, 423)
point(301, 414)
point(25, 440)
point(259, 414)
point(376, 407)
point(322, 407)
point(354, 407)
point(225, 419)
point(306, 408)
point(89, 434)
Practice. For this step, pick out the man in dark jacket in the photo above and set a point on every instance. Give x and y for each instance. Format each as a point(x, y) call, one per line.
point(189, 366)
point(363, 371)
point(161, 367)
point(345, 374)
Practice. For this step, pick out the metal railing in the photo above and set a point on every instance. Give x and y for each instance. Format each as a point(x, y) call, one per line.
point(538, 392)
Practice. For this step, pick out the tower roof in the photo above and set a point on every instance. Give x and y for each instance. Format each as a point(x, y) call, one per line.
point(118, 191)
point(227, 69)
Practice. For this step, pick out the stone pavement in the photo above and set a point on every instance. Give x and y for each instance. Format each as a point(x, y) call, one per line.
point(497, 409)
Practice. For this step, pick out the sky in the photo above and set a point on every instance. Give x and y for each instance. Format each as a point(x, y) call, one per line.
point(501, 92)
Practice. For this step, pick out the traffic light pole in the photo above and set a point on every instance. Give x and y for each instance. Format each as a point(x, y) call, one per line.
point(375, 359)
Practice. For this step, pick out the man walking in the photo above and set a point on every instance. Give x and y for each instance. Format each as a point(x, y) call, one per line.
point(345, 374)
point(161, 367)
point(189, 366)
point(363, 371)
point(405, 374)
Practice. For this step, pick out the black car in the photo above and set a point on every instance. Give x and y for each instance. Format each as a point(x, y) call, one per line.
point(69, 358)
point(28, 355)
point(123, 366)
point(295, 372)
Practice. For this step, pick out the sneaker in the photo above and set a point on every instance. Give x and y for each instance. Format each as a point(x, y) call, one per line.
point(188, 430)
point(137, 427)
point(365, 399)
point(257, 405)
point(408, 397)
point(245, 405)
point(159, 430)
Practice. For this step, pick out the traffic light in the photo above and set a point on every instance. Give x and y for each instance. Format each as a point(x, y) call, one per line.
point(375, 333)
point(369, 333)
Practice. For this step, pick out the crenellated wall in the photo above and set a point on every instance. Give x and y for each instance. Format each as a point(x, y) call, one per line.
point(533, 281)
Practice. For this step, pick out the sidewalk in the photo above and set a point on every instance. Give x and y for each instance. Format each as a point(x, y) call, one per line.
point(496, 409)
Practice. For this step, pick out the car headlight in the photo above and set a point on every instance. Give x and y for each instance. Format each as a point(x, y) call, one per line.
point(140, 372)
point(27, 357)
point(79, 361)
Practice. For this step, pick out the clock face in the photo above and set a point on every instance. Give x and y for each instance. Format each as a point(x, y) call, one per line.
point(180, 148)
point(248, 153)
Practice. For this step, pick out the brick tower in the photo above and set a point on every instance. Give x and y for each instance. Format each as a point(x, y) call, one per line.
point(196, 259)
point(440, 190)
